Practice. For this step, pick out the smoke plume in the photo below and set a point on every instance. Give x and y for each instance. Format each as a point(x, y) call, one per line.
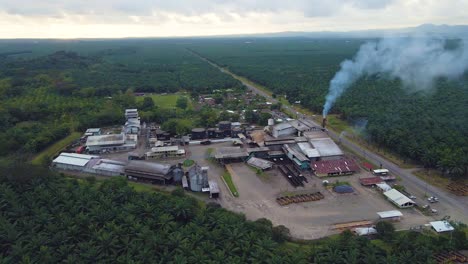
point(416, 61)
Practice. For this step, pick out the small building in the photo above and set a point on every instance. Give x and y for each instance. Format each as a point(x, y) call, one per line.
point(324, 168)
point(132, 126)
point(283, 129)
point(295, 154)
point(165, 152)
point(383, 187)
point(399, 199)
point(260, 164)
point(150, 171)
point(214, 189)
point(131, 113)
point(72, 161)
point(371, 181)
point(93, 132)
point(365, 231)
point(393, 215)
point(380, 172)
point(442, 226)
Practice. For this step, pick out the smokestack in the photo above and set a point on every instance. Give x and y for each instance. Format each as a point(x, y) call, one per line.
point(324, 122)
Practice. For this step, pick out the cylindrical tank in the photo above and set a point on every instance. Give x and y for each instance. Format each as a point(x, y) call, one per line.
point(178, 173)
point(196, 180)
point(224, 125)
point(211, 132)
point(198, 133)
point(235, 131)
point(271, 122)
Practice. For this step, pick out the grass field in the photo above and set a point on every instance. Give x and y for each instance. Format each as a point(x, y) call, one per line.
point(167, 101)
point(228, 179)
point(55, 148)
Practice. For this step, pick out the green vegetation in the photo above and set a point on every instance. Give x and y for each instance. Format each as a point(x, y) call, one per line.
point(45, 156)
point(228, 180)
point(188, 162)
point(166, 101)
point(390, 116)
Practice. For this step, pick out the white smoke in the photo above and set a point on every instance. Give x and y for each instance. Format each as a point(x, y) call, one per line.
point(416, 61)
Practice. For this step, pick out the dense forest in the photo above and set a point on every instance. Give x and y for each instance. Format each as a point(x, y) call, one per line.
point(429, 127)
point(47, 92)
point(46, 218)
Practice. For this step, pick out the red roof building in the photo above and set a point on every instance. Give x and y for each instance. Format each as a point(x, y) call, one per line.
point(334, 167)
point(370, 181)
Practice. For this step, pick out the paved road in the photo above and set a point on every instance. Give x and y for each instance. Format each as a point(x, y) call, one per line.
point(454, 206)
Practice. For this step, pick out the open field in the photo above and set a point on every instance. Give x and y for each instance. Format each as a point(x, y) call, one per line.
point(167, 101)
point(55, 148)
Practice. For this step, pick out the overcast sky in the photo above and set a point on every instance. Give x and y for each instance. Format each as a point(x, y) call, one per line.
point(145, 18)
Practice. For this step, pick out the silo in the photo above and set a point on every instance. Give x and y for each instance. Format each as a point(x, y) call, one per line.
point(271, 122)
point(198, 178)
point(211, 132)
point(198, 133)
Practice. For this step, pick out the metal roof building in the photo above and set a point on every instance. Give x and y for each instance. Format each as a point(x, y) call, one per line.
point(390, 215)
point(108, 167)
point(283, 129)
point(149, 170)
point(326, 147)
point(230, 153)
point(309, 150)
point(383, 186)
point(214, 189)
point(260, 163)
point(334, 167)
point(442, 226)
point(370, 181)
point(399, 199)
point(72, 161)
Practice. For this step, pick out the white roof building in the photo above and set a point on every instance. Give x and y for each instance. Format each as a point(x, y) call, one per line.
point(383, 186)
point(399, 199)
point(72, 161)
point(365, 231)
point(442, 226)
point(326, 147)
point(260, 163)
point(390, 214)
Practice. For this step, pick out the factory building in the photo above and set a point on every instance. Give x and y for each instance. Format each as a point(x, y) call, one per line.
point(327, 148)
point(399, 199)
point(113, 142)
point(283, 130)
point(230, 154)
point(72, 161)
point(165, 152)
point(131, 113)
point(339, 167)
point(132, 126)
point(393, 215)
point(295, 155)
point(150, 171)
point(198, 178)
point(260, 164)
point(106, 167)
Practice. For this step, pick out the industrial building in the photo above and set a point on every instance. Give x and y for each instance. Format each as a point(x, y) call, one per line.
point(132, 126)
point(165, 152)
point(399, 199)
point(198, 178)
point(106, 167)
point(259, 163)
point(131, 113)
point(339, 167)
point(371, 181)
point(113, 142)
point(327, 148)
point(294, 153)
point(442, 226)
point(214, 189)
point(283, 129)
point(230, 154)
point(393, 215)
point(72, 161)
point(143, 170)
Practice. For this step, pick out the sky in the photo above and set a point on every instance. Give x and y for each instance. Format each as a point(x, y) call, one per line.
point(165, 18)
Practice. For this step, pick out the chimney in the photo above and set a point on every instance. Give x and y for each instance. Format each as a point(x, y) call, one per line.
point(324, 122)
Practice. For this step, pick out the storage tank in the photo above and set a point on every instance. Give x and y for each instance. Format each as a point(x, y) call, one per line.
point(178, 173)
point(198, 178)
point(224, 125)
point(235, 131)
point(198, 133)
point(271, 122)
point(211, 132)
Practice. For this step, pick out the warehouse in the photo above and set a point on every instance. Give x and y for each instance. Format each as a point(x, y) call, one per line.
point(161, 173)
point(371, 181)
point(327, 148)
point(260, 164)
point(165, 152)
point(72, 161)
point(113, 142)
point(309, 150)
point(283, 129)
point(230, 154)
point(398, 199)
point(393, 215)
point(93, 132)
point(108, 167)
point(131, 113)
point(324, 168)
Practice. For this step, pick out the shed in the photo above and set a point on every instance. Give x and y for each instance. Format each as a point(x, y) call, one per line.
point(149, 171)
point(399, 199)
point(72, 161)
point(370, 181)
point(365, 231)
point(260, 163)
point(393, 215)
point(383, 186)
point(442, 226)
point(214, 189)
point(108, 167)
point(334, 167)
